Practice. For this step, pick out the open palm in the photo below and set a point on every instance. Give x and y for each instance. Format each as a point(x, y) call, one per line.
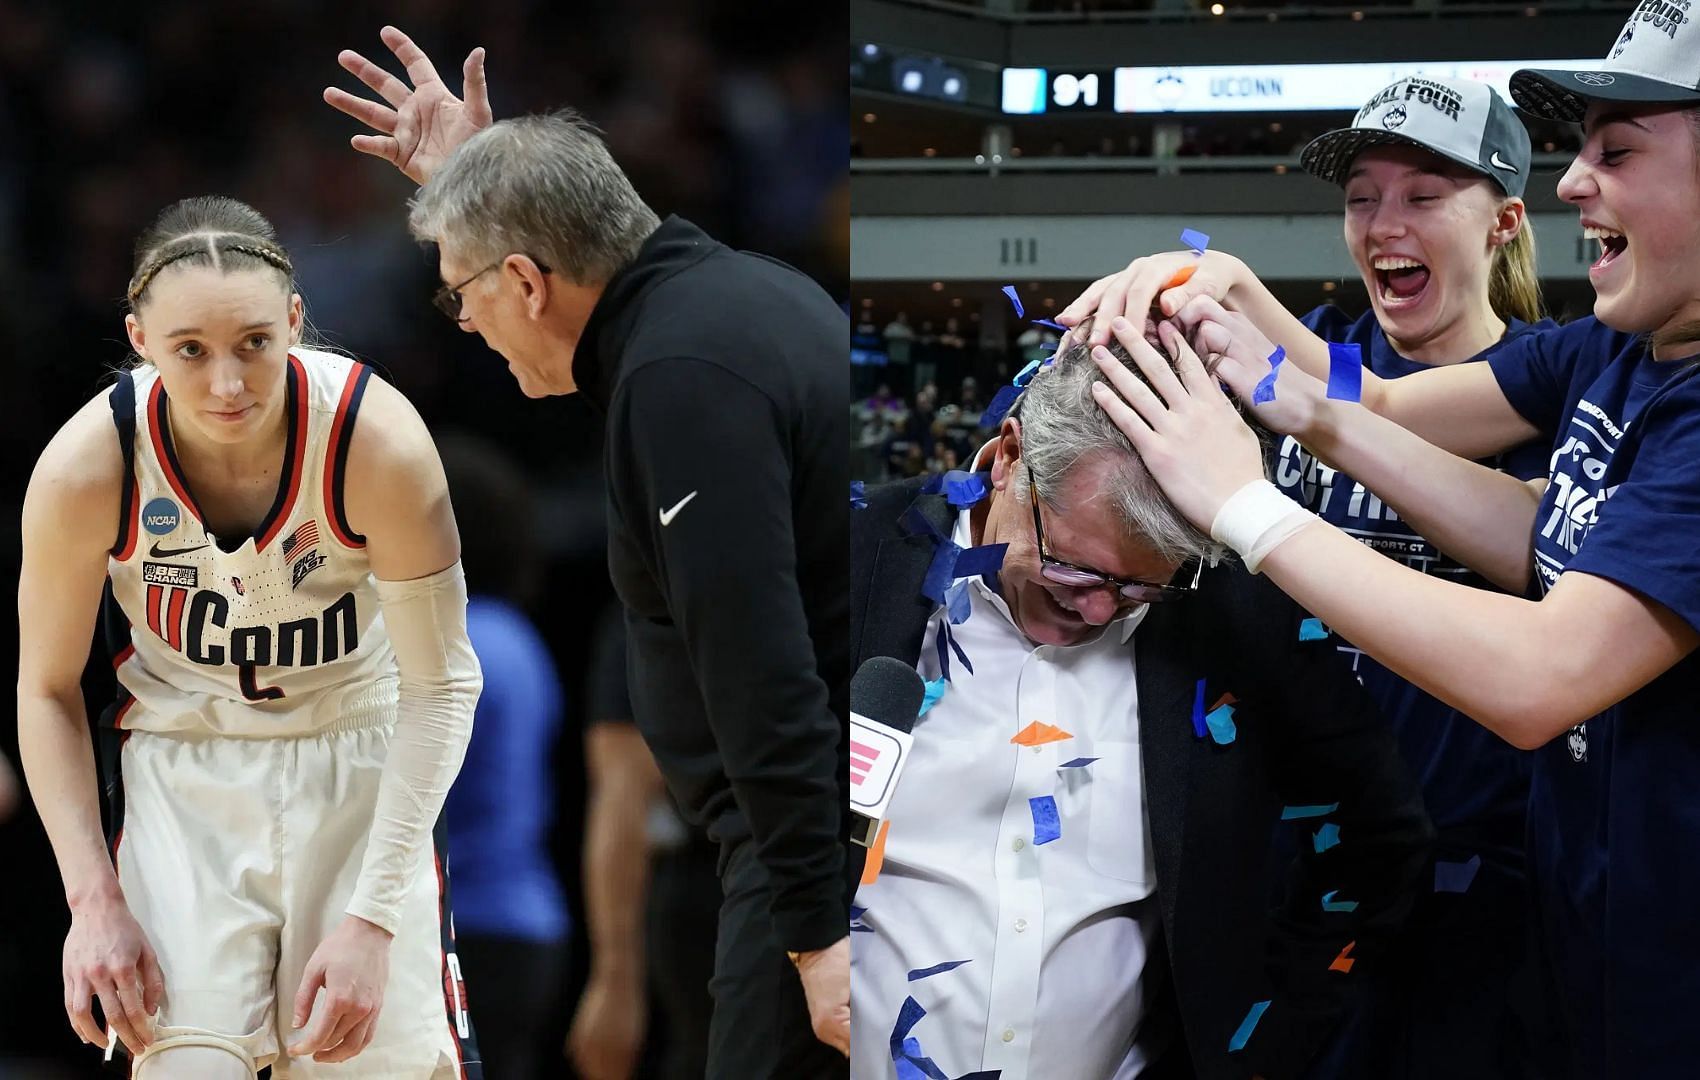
point(423, 125)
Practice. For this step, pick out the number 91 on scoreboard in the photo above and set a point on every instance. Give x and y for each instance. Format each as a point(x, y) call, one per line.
point(1028, 91)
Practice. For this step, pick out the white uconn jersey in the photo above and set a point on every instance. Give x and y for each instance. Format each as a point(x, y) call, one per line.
point(281, 634)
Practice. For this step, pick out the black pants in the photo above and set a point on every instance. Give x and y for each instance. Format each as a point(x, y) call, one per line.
point(760, 1029)
point(513, 993)
point(682, 927)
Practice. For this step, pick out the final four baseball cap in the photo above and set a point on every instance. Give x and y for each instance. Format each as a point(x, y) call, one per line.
point(1656, 60)
point(1459, 119)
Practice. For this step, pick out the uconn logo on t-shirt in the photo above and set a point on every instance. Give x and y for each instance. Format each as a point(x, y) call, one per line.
point(1574, 496)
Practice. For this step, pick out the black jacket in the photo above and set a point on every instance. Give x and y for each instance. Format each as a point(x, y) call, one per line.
point(1308, 735)
point(722, 376)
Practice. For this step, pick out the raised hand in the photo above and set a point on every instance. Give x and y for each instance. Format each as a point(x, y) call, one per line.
point(1241, 354)
point(422, 126)
point(1164, 281)
point(108, 957)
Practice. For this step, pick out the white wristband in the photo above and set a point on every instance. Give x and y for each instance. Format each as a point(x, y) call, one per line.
point(1256, 519)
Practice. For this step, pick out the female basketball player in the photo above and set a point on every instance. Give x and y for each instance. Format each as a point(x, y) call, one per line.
point(1605, 658)
point(271, 531)
point(1433, 171)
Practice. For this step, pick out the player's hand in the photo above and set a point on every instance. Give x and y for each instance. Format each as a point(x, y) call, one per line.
point(606, 1039)
point(1238, 354)
point(1186, 431)
point(1148, 283)
point(108, 957)
point(423, 125)
point(826, 986)
point(352, 966)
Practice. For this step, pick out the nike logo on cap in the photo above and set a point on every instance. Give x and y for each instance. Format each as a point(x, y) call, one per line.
point(1500, 163)
point(667, 516)
point(165, 553)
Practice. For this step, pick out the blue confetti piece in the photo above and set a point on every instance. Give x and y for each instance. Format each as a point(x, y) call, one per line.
point(907, 1017)
point(1199, 721)
point(964, 489)
point(857, 926)
point(1242, 1034)
point(1025, 375)
point(940, 642)
point(1220, 720)
point(917, 1060)
point(1331, 904)
point(1313, 630)
point(1195, 240)
point(1077, 763)
point(956, 648)
point(934, 691)
point(1264, 392)
point(1455, 877)
point(941, 571)
point(1046, 827)
point(1052, 325)
point(937, 969)
point(979, 561)
point(957, 604)
point(907, 1070)
point(1009, 291)
point(1293, 813)
point(1326, 837)
point(1345, 372)
point(999, 408)
point(858, 495)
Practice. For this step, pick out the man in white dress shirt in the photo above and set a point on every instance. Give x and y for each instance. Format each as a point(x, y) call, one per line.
point(1031, 911)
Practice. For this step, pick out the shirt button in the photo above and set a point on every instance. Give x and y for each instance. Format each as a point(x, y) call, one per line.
point(1020, 925)
point(1008, 1034)
point(1017, 844)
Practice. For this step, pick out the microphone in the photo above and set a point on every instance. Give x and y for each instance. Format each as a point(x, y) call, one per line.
point(885, 699)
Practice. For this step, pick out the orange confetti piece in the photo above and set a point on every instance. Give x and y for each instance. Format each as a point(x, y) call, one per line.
point(1343, 962)
point(1037, 734)
point(876, 856)
point(1225, 699)
point(1182, 276)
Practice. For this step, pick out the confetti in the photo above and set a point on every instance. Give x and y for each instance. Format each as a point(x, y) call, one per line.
point(858, 495)
point(1037, 734)
point(1326, 837)
point(1052, 325)
point(964, 489)
point(1343, 962)
point(1242, 1034)
point(999, 407)
point(857, 926)
point(941, 571)
point(876, 856)
point(111, 1042)
point(937, 969)
point(1221, 724)
point(1009, 291)
point(1182, 276)
point(979, 561)
point(1195, 240)
point(1199, 726)
point(907, 1017)
point(1293, 813)
point(1313, 630)
point(1225, 699)
point(1331, 904)
point(1025, 375)
point(1264, 392)
point(1455, 877)
point(957, 603)
point(1046, 827)
point(1077, 763)
point(934, 691)
point(1345, 372)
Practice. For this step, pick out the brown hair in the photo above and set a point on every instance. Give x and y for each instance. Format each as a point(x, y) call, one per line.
point(1514, 288)
point(209, 230)
point(1686, 332)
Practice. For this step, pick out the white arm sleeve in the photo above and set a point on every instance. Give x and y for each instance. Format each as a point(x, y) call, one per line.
point(440, 681)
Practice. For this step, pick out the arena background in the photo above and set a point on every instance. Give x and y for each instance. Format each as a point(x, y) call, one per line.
point(953, 197)
point(727, 112)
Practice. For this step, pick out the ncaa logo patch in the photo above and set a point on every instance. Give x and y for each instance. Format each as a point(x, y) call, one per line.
point(1395, 117)
point(160, 516)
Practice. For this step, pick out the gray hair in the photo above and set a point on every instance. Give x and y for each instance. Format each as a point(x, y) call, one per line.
point(543, 186)
point(1062, 426)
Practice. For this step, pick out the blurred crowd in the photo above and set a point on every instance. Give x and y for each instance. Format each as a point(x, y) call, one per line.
point(726, 112)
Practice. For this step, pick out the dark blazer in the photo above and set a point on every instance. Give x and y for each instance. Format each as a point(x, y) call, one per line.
point(1308, 735)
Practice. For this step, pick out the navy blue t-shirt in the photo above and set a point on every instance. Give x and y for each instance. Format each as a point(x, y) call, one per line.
point(1475, 784)
point(1614, 810)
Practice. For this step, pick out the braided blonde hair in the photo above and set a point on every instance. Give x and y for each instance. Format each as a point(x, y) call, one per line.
point(210, 230)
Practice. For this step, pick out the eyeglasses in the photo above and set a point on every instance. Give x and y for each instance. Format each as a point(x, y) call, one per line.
point(1084, 577)
point(447, 298)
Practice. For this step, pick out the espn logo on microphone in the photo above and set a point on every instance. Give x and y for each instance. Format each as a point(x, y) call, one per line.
point(876, 756)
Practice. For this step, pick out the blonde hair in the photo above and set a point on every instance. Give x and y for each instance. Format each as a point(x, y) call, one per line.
point(1514, 289)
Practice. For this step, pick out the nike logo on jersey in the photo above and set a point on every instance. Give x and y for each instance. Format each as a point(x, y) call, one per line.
point(165, 553)
point(667, 516)
point(1500, 163)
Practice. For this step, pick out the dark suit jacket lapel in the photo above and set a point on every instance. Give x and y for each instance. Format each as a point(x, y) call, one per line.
point(894, 620)
point(1166, 692)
